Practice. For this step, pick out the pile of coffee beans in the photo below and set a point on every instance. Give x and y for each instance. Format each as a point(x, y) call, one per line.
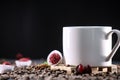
point(45, 73)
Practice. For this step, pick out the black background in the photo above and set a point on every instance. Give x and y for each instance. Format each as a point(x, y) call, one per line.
point(35, 29)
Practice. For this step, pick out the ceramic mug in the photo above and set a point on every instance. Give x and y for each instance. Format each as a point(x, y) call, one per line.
point(89, 45)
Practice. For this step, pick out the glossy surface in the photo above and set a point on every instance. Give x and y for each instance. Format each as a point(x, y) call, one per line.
point(87, 45)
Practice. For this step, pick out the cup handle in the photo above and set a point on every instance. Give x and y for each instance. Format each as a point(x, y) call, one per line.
point(116, 46)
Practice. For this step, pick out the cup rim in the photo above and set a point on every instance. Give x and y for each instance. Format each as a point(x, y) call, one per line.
point(87, 27)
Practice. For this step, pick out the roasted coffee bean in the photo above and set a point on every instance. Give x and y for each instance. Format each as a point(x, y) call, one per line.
point(30, 73)
point(5, 76)
point(48, 73)
point(41, 77)
point(48, 78)
point(26, 78)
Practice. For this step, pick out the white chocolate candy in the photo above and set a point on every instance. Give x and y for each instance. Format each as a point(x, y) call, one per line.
point(6, 68)
point(23, 63)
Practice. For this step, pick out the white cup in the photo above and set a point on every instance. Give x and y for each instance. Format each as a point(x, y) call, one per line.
point(89, 45)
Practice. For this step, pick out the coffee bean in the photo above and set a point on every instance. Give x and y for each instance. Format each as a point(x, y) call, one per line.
point(31, 73)
point(40, 77)
point(26, 77)
point(5, 76)
point(48, 78)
